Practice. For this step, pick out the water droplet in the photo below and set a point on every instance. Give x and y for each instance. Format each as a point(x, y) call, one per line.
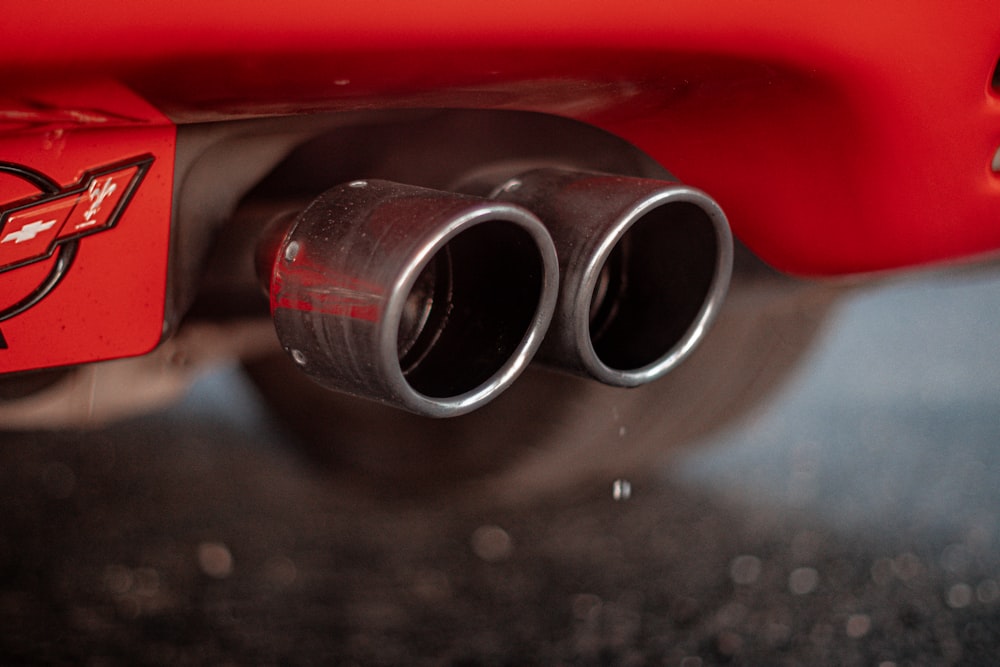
point(955, 558)
point(858, 625)
point(358, 184)
point(907, 566)
point(745, 569)
point(432, 586)
point(621, 489)
point(731, 615)
point(492, 543)
point(803, 581)
point(117, 579)
point(341, 82)
point(215, 560)
point(621, 431)
point(988, 591)
point(959, 595)
point(299, 357)
point(292, 251)
point(280, 571)
point(512, 185)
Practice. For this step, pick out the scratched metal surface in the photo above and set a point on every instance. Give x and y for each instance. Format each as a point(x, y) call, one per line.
point(853, 520)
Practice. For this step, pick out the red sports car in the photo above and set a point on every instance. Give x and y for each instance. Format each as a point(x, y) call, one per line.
point(419, 199)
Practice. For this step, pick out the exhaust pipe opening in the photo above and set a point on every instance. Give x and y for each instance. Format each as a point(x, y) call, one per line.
point(644, 266)
point(652, 286)
point(469, 309)
point(425, 300)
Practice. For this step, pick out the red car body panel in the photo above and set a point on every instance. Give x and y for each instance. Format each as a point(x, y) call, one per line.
point(110, 302)
point(841, 138)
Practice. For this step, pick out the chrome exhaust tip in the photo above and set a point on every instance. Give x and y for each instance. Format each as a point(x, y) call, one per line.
point(644, 267)
point(424, 300)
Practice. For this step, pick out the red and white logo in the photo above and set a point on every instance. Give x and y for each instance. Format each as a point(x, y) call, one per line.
point(54, 223)
point(32, 230)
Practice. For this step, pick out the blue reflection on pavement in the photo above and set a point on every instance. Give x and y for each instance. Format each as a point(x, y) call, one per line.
point(892, 423)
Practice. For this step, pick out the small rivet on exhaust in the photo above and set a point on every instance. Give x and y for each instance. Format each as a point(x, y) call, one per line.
point(299, 358)
point(358, 184)
point(292, 251)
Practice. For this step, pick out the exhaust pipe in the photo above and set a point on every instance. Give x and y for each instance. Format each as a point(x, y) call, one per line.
point(429, 301)
point(644, 266)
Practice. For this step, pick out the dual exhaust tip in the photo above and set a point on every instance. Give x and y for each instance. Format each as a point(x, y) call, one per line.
point(435, 302)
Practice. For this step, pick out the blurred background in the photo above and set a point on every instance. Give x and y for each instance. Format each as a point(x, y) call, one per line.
point(849, 518)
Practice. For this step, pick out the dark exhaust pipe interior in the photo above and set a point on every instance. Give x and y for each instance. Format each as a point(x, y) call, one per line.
point(425, 300)
point(644, 266)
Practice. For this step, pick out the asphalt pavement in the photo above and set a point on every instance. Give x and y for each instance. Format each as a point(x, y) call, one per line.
point(851, 520)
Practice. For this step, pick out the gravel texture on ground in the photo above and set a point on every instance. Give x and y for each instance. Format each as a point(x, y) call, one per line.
point(851, 522)
point(158, 542)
